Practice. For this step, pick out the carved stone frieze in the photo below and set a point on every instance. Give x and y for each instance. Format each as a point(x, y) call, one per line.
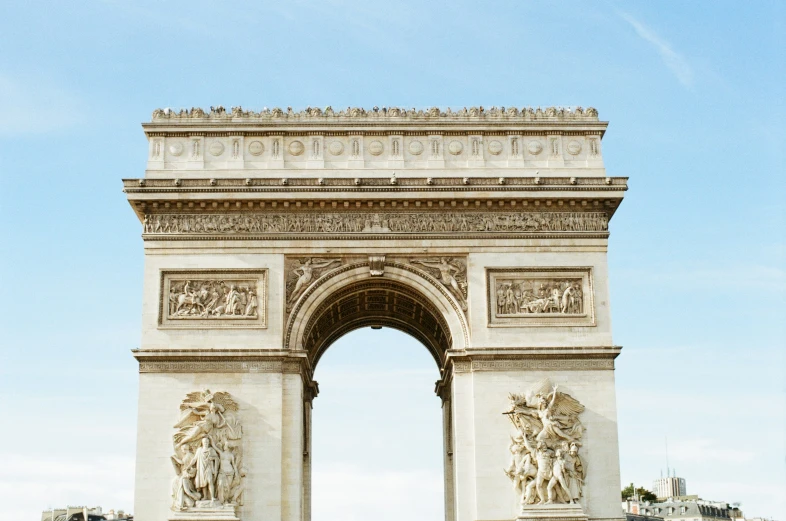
point(209, 366)
point(208, 455)
point(302, 272)
point(358, 223)
point(388, 113)
point(212, 298)
point(548, 364)
point(545, 466)
point(461, 366)
point(540, 296)
point(450, 271)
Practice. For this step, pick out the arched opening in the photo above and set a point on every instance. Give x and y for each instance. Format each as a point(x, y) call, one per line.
point(350, 304)
point(377, 430)
point(406, 299)
point(376, 303)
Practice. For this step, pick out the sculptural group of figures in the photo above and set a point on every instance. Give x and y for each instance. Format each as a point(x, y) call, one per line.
point(376, 223)
point(393, 112)
point(208, 454)
point(535, 296)
point(211, 299)
point(546, 466)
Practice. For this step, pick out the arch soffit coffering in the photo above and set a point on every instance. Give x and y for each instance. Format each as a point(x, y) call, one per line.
point(399, 279)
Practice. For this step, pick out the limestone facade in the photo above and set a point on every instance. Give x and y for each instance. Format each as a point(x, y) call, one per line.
point(268, 235)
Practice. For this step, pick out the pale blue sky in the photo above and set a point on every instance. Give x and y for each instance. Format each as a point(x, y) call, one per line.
point(694, 93)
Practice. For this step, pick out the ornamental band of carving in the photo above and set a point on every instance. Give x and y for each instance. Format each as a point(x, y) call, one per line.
point(543, 365)
point(213, 366)
point(374, 223)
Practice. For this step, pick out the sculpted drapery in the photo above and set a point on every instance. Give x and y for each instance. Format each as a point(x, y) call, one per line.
point(208, 453)
point(546, 467)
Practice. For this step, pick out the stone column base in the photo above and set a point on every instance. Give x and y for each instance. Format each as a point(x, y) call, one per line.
point(556, 512)
point(206, 513)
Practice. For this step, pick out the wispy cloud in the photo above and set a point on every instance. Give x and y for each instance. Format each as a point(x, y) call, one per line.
point(673, 60)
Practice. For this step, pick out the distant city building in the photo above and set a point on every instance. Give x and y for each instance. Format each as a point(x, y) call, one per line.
point(668, 487)
point(636, 517)
point(689, 509)
point(83, 513)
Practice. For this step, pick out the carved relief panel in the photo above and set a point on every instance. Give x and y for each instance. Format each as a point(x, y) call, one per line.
point(301, 272)
point(521, 297)
point(451, 272)
point(213, 299)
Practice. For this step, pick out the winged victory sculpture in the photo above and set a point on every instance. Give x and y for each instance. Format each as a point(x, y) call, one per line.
point(208, 453)
point(545, 466)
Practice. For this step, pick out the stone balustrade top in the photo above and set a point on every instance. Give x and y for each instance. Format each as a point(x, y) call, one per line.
point(270, 142)
point(378, 115)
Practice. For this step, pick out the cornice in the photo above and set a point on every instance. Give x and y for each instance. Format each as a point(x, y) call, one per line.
point(373, 184)
point(500, 359)
point(536, 352)
point(232, 195)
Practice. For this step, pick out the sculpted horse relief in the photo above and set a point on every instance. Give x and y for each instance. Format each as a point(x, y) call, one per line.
point(207, 299)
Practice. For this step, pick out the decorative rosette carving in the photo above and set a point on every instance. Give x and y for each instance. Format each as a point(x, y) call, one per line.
point(256, 148)
point(296, 148)
point(375, 148)
point(216, 148)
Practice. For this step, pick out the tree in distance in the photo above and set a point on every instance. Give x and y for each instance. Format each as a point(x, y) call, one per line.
point(642, 493)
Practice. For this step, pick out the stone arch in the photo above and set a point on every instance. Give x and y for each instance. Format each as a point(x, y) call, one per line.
point(404, 298)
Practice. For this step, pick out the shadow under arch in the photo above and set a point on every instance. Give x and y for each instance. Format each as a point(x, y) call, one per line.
point(349, 298)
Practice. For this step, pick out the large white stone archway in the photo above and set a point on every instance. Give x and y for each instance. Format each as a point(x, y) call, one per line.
point(269, 235)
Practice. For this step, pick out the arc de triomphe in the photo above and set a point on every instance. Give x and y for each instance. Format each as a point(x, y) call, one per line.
point(482, 233)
